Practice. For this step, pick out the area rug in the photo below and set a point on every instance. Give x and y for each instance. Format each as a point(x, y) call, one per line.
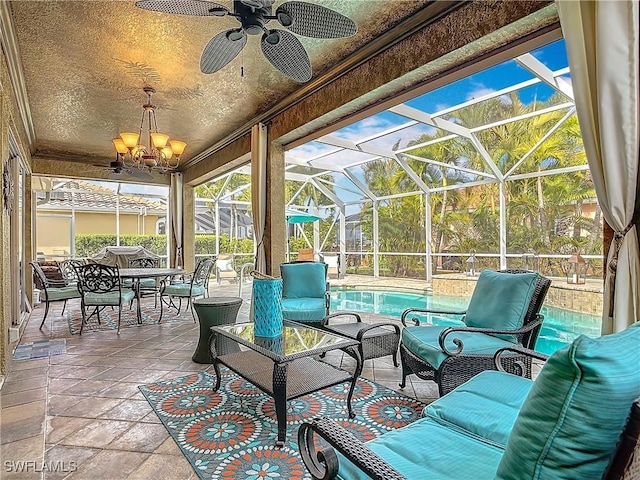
point(40, 349)
point(231, 434)
point(109, 318)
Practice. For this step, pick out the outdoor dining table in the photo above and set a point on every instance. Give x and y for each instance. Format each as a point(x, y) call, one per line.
point(137, 273)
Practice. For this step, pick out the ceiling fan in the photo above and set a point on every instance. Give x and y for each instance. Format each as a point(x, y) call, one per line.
point(280, 47)
point(119, 169)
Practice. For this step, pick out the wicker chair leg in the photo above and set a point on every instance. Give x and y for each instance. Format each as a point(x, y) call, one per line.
point(64, 305)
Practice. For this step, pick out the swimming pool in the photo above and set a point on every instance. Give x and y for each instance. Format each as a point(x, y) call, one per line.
point(560, 327)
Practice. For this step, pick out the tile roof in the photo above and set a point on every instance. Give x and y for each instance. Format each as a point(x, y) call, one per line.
point(94, 197)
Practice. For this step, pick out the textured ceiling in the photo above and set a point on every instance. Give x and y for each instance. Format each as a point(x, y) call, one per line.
point(85, 63)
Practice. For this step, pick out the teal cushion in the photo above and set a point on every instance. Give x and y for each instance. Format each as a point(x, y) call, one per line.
point(500, 300)
point(109, 298)
point(485, 406)
point(62, 293)
point(426, 450)
point(574, 415)
point(148, 283)
point(182, 290)
point(303, 309)
point(303, 280)
point(423, 342)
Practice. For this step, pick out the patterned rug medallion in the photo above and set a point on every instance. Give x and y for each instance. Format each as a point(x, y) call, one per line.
point(231, 434)
point(109, 318)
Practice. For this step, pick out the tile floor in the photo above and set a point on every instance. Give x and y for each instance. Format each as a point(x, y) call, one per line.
point(80, 415)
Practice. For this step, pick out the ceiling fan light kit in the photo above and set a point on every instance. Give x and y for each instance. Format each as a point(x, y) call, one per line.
point(282, 49)
point(161, 153)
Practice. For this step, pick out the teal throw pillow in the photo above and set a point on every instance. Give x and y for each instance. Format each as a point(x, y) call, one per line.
point(572, 419)
point(500, 301)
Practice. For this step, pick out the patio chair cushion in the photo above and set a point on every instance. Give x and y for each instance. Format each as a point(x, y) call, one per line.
point(303, 309)
point(423, 342)
point(305, 280)
point(489, 391)
point(62, 293)
point(500, 300)
point(182, 290)
point(559, 434)
point(109, 298)
point(148, 283)
point(448, 458)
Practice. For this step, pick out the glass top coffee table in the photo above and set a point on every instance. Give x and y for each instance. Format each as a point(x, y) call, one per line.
point(283, 366)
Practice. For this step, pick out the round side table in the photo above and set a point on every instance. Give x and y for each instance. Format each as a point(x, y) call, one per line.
point(213, 311)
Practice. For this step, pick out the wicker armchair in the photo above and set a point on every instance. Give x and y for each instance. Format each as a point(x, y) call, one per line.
point(479, 430)
point(305, 292)
point(456, 354)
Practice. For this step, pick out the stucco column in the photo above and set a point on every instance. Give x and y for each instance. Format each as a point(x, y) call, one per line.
point(275, 231)
point(188, 227)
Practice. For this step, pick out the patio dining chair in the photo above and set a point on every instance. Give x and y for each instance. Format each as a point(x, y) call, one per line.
point(67, 268)
point(53, 290)
point(503, 311)
point(305, 292)
point(147, 286)
point(189, 286)
point(99, 287)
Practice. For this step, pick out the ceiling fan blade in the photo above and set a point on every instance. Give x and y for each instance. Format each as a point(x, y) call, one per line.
point(315, 21)
point(286, 53)
point(199, 8)
point(221, 49)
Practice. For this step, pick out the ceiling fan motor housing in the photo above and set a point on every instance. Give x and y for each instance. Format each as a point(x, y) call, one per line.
point(252, 19)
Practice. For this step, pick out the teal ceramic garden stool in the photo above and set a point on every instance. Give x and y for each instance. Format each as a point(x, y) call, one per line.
point(213, 311)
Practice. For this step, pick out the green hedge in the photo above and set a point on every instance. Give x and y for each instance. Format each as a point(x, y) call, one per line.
point(90, 245)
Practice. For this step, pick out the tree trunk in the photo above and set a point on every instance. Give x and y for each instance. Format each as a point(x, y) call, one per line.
point(542, 217)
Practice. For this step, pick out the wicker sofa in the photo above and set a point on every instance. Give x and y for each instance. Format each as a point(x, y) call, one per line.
point(572, 422)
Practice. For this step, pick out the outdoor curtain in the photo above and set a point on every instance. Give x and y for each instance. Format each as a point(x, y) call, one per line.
point(602, 46)
point(176, 216)
point(259, 191)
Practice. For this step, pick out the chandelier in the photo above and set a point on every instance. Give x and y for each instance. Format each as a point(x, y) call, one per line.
point(154, 150)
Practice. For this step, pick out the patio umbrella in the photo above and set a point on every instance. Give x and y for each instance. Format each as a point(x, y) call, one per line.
point(297, 216)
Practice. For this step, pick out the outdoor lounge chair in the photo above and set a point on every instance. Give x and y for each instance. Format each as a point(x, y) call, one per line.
point(503, 311)
point(225, 269)
point(305, 292)
point(333, 264)
point(53, 290)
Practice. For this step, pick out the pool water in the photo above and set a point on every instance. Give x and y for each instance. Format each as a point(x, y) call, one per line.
point(560, 327)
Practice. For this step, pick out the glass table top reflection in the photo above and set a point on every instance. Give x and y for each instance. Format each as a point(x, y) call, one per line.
point(297, 340)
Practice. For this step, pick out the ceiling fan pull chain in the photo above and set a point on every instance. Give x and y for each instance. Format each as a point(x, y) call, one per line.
point(242, 64)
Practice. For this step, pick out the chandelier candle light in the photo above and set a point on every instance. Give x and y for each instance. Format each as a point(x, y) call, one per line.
point(160, 154)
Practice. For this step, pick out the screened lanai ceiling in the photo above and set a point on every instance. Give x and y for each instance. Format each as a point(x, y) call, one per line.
point(496, 125)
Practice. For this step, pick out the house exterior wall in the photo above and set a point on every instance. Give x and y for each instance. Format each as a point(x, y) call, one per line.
point(54, 232)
